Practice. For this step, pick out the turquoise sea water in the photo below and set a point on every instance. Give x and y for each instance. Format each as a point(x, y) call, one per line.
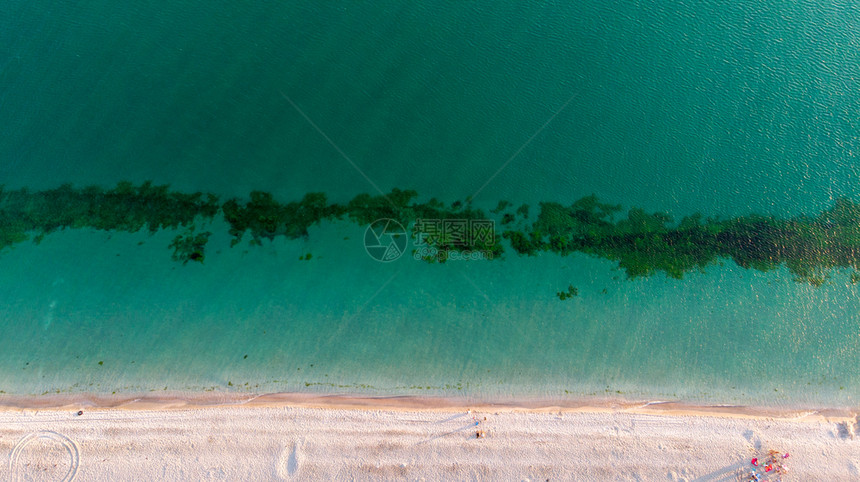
point(682, 108)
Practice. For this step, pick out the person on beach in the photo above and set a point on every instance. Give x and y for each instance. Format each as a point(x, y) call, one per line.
point(767, 468)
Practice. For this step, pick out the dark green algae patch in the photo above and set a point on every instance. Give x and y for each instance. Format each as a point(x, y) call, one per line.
point(641, 243)
point(645, 243)
point(124, 208)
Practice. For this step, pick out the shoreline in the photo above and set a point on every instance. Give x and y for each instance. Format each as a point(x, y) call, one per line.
point(196, 400)
point(292, 437)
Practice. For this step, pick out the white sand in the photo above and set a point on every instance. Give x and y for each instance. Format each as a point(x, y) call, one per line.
point(283, 442)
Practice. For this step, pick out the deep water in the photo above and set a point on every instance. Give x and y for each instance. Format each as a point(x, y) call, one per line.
point(668, 107)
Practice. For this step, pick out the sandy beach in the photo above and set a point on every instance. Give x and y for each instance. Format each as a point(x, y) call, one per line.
point(307, 437)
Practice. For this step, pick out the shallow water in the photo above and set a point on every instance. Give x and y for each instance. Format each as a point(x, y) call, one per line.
point(678, 108)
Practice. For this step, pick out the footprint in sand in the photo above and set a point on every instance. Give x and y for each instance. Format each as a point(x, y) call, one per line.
point(44, 455)
point(845, 430)
point(289, 461)
point(753, 439)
